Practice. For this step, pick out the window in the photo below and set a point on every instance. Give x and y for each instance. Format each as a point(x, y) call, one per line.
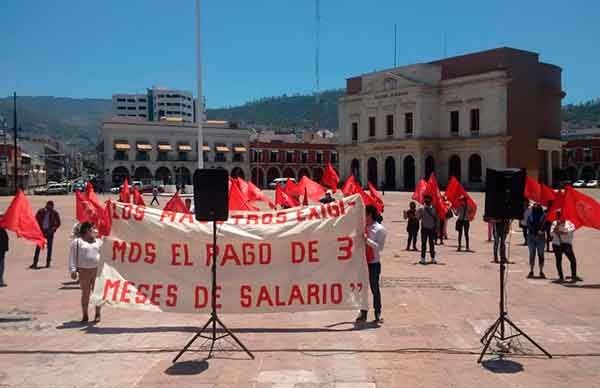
point(474, 120)
point(121, 108)
point(334, 157)
point(372, 127)
point(131, 108)
point(389, 123)
point(238, 157)
point(183, 156)
point(120, 99)
point(587, 154)
point(205, 156)
point(142, 115)
point(141, 100)
point(304, 157)
point(454, 123)
point(143, 155)
point(319, 157)
point(273, 156)
point(141, 107)
point(130, 100)
point(408, 123)
point(220, 157)
point(121, 155)
point(354, 131)
point(289, 157)
point(163, 156)
point(253, 156)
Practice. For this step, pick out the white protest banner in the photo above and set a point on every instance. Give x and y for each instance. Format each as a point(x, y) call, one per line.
point(300, 259)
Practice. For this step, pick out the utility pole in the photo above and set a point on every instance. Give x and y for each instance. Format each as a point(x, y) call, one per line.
point(318, 41)
point(16, 168)
point(200, 102)
point(395, 44)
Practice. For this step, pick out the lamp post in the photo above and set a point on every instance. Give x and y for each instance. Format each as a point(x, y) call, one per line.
point(15, 166)
point(199, 102)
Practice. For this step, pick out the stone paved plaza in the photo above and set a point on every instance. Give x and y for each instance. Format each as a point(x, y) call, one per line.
point(434, 318)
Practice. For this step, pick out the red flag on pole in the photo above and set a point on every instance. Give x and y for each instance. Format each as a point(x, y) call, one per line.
point(330, 178)
point(454, 192)
point(420, 191)
point(137, 197)
point(253, 193)
point(124, 193)
point(436, 197)
point(237, 200)
point(546, 195)
point(580, 209)
point(20, 219)
point(91, 194)
point(314, 190)
point(351, 186)
point(557, 204)
point(376, 196)
point(282, 199)
point(533, 190)
point(293, 189)
point(176, 204)
point(305, 198)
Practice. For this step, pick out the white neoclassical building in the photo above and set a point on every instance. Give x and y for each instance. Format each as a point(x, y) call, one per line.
point(455, 117)
point(167, 152)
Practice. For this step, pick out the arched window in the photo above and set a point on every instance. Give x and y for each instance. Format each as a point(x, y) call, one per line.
point(475, 168)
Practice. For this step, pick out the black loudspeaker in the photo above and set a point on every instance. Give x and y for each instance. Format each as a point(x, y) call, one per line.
point(504, 194)
point(211, 195)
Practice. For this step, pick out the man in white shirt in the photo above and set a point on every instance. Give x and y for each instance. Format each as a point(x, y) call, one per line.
point(375, 239)
point(562, 243)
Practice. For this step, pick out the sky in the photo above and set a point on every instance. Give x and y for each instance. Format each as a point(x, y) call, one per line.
point(254, 49)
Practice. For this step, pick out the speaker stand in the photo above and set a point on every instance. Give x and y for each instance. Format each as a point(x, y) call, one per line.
point(497, 330)
point(214, 318)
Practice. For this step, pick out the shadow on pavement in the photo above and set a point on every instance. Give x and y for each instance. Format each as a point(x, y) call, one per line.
point(72, 325)
point(187, 368)
point(588, 286)
point(16, 319)
point(501, 365)
point(192, 329)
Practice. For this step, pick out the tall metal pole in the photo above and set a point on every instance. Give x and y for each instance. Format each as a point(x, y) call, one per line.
point(318, 41)
point(15, 166)
point(395, 45)
point(199, 102)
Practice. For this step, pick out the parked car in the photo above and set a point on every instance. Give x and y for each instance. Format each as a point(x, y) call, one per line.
point(592, 183)
point(579, 183)
point(138, 184)
point(280, 181)
point(53, 189)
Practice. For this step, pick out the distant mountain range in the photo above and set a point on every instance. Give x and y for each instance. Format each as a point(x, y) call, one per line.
point(78, 121)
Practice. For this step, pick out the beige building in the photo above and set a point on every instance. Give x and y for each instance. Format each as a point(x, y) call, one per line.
point(455, 117)
point(167, 152)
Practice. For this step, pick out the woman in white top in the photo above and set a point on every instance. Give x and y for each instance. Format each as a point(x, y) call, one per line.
point(562, 243)
point(83, 260)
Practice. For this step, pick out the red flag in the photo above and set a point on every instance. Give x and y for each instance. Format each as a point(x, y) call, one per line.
point(351, 186)
point(436, 197)
point(124, 193)
point(137, 197)
point(369, 200)
point(91, 194)
point(305, 198)
point(420, 191)
point(557, 204)
point(533, 190)
point(454, 192)
point(104, 220)
point(237, 200)
point(293, 189)
point(176, 204)
point(580, 209)
point(282, 199)
point(330, 178)
point(546, 195)
point(376, 196)
point(314, 190)
point(253, 193)
point(20, 219)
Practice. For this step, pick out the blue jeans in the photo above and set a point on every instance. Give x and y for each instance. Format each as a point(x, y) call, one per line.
point(536, 244)
point(2, 254)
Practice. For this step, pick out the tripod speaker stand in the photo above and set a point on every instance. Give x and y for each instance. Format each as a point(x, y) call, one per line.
point(498, 328)
point(211, 202)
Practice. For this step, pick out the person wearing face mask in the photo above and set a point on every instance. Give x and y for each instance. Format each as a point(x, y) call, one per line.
point(84, 256)
point(375, 242)
point(429, 226)
point(536, 238)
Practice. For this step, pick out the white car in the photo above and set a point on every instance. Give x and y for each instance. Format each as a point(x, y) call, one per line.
point(579, 183)
point(280, 181)
point(592, 183)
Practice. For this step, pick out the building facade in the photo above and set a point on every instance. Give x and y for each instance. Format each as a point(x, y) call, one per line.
point(271, 160)
point(155, 105)
point(582, 159)
point(167, 152)
point(455, 117)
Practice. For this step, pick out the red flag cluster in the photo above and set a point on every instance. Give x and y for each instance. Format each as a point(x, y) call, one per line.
point(454, 192)
point(88, 208)
point(19, 218)
point(580, 209)
point(351, 186)
point(538, 192)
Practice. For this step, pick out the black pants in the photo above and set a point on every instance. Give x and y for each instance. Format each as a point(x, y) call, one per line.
point(567, 249)
point(463, 226)
point(428, 235)
point(524, 229)
point(36, 257)
point(154, 199)
point(548, 240)
point(412, 237)
point(374, 272)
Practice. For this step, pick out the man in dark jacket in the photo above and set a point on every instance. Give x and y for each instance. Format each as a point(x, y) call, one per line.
point(3, 250)
point(49, 221)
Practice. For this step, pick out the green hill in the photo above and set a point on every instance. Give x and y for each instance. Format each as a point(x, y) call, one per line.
point(78, 120)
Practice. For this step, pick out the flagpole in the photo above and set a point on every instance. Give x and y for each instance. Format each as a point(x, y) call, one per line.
point(199, 102)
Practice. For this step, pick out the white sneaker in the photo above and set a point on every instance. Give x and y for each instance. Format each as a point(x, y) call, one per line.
point(422, 261)
point(433, 261)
